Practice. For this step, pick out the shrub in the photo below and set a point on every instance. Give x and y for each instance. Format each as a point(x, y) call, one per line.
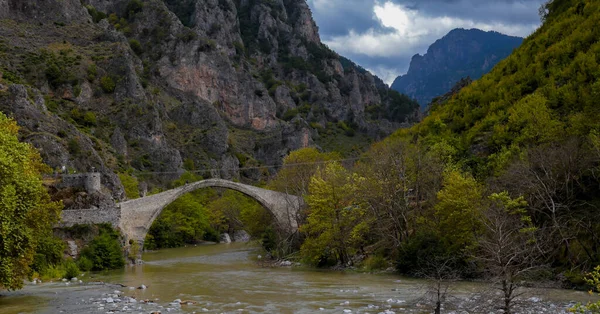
point(105, 250)
point(136, 46)
point(71, 269)
point(374, 263)
point(85, 264)
point(92, 72)
point(107, 84)
point(290, 114)
point(131, 185)
point(97, 16)
point(133, 7)
point(74, 147)
point(89, 119)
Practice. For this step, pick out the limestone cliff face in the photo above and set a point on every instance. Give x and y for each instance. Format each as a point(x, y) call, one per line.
point(159, 86)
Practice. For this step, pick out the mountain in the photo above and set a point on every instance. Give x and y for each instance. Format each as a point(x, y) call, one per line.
point(153, 88)
point(461, 53)
point(529, 130)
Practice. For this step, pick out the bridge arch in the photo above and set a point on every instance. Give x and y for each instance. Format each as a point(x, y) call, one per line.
point(138, 215)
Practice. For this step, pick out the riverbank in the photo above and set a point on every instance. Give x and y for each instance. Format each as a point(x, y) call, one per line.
point(93, 297)
point(98, 297)
point(225, 278)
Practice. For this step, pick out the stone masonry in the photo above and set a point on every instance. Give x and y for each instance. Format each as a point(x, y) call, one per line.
point(135, 217)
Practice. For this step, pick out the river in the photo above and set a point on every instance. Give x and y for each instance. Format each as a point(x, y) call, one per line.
point(226, 278)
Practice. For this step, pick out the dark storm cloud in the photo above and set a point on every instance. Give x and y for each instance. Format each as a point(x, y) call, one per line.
point(507, 11)
point(383, 35)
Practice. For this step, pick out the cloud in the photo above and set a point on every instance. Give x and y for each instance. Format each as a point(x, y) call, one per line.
point(383, 36)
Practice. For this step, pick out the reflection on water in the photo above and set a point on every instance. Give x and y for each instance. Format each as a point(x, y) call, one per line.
point(226, 278)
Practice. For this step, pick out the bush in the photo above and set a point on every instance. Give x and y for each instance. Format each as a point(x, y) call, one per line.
point(133, 7)
point(107, 84)
point(104, 251)
point(92, 72)
point(374, 263)
point(74, 147)
point(97, 16)
point(71, 269)
point(136, 46)
point(419, 249)
point(130, 184)
point(290, 114)
point(85, 264)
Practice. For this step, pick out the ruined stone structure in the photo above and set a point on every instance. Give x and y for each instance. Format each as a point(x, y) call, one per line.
point(135, 217)
point(88, 181)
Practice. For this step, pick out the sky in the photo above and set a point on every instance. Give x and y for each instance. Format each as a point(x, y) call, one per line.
point(383, 35)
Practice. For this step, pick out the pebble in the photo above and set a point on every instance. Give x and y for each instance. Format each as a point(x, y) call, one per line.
point(142, 287)
point(110, 300)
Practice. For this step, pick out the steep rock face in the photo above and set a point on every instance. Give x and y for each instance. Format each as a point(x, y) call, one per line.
point(59, 11)
point(460, 54)
point(214, 86)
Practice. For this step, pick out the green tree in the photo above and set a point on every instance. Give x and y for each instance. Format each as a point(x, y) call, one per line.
point(458, 212)
point(336, 222)
point(298, 168)
point(26, 211)
point(185, 221)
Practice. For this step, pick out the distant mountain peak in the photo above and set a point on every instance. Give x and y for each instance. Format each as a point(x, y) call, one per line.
point(460, 53)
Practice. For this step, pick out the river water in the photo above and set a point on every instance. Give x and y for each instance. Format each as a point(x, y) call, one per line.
point(226, 278)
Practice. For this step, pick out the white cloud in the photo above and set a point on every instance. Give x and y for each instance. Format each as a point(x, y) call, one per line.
point(409, 32)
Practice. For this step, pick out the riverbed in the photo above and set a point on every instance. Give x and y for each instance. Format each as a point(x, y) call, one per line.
point(227, 278)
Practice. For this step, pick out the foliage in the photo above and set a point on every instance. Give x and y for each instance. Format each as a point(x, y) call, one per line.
point(108, 84)
point(104, 251)
point(202, 214)
point(133, 7)
point(85, 264)
point(26, 211)
point(529, 127)
point(420, 248)
point(336, 222)
point(96, 15)
point(71, 269)
point(130, 184)
point(184, 9)
point(592, 279)
point(458, 211)
point(298, 168)
point(49, 251)
point(185, 221)
point(136, 46)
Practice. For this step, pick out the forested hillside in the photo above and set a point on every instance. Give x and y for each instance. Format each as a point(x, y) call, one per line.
point(500, 181)
point(460, 54)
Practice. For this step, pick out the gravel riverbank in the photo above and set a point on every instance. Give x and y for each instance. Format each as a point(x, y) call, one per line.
point(99, 297)
point(93, 297)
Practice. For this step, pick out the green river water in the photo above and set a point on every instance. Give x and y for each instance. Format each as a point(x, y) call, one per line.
point(226, 278)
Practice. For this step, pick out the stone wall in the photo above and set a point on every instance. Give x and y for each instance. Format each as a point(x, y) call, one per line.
point(73, 217)
point(89, 181)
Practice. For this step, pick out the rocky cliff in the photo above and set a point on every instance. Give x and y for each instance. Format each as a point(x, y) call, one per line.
point(461, 53)
point(158, 87)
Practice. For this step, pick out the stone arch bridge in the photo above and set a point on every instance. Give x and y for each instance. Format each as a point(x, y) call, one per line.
point(134, 217)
